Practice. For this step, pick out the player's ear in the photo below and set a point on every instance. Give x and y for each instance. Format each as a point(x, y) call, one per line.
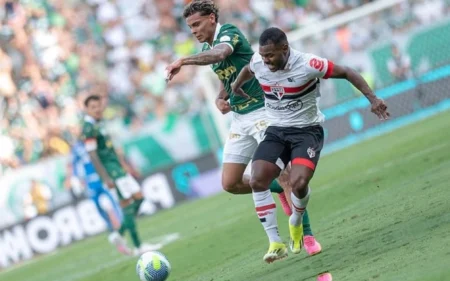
point(212, 17)
point(285, 48)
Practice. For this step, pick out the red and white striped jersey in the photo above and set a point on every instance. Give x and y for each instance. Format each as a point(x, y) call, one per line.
point(292, 94)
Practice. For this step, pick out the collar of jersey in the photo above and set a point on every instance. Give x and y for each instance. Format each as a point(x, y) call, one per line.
point(216, 34)
point(290, 59)
point(89, 119)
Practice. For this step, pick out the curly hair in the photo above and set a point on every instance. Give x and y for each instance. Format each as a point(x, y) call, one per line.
point(204, 7)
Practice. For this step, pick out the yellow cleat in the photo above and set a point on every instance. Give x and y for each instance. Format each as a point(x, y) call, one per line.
point(276, 251)
point(296, 242)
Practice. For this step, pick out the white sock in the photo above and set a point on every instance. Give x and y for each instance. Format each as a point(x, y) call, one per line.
point(298, 208)
point(267, 214)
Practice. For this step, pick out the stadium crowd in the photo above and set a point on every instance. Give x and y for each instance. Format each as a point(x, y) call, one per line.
point(53, 53)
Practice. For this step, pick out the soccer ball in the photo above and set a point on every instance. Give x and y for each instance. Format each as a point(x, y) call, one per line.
point(153, 266)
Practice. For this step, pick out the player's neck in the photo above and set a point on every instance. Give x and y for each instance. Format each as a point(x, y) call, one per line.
point(287, 59)
point(211, 39)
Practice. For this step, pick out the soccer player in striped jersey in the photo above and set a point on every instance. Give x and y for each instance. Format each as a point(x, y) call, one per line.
point(290, 80)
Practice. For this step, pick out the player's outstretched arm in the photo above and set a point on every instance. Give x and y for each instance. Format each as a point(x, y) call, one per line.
point(217, 54)
point(245, 75)
point(379, 107)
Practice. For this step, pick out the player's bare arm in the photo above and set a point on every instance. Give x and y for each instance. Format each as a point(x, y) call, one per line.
point(100, 169)
point(245, 75)
point(222, 100)
point(379, 107)
point(215, 55)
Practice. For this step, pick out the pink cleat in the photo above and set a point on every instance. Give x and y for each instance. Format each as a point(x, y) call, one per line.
point(312, 247)
point(121, 245)
point(285, 204)
point(124, 250)
point(325, 277)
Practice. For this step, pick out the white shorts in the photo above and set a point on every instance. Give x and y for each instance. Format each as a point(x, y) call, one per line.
point(127, 186)
point(246, 132)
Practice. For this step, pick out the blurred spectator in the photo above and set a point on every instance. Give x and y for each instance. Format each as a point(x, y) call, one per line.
point(53, 53)
point(399, 64)
point(38, 200)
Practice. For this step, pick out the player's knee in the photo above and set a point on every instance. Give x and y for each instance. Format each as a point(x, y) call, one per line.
point(230, 186)
point(138, 196)
point(125, 202)
point(258, 184)
point(300, 183)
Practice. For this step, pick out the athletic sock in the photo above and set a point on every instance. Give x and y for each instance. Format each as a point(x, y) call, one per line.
point(275, 187)
point(298, 208)
point(129, 223)
point(306, 224)
point(267, 212)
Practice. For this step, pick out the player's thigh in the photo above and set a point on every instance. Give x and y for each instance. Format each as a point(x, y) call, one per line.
point(265, 167)
point(232, 174)
point(127, 187)
point(307, 145)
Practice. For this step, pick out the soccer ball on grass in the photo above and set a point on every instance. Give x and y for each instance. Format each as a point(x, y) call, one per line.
point(153, 266)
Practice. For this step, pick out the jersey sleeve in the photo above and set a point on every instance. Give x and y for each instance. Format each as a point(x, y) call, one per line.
point(318, 67)
point(89, 137)
point(231, 36)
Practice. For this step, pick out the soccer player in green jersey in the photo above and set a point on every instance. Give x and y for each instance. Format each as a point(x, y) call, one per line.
point(107, 164)
point(227, 51)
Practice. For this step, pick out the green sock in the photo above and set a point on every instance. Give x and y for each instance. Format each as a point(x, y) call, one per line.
point(137, 204)
point(134, 234)
point(306, 225)
point(275, 187)
point(122, 229)
point(129, 223)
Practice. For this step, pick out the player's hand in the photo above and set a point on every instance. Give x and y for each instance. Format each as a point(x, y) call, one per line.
point(238, 91)
point(223, 106)
point(110, 183)
point(284, 180)
point(379, 108)
point(173, 68)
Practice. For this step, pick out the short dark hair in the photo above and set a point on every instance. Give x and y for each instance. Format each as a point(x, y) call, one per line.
point(272, 35)
point(91, 98)
point(204, 7)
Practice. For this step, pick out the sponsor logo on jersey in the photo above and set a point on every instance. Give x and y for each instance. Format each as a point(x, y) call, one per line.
point(235, 39)
point(224, 74)
point(294, 105)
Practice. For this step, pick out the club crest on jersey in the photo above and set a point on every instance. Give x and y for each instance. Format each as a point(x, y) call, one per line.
point(277, 91)
point(311, 152)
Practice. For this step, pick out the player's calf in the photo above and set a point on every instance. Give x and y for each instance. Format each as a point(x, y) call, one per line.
point(138, 198)
point(299, 178)
point(125, 202)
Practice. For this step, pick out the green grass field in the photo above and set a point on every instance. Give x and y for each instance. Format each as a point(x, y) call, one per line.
point(381, 210)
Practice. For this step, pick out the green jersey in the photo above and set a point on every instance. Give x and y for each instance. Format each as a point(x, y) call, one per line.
point(228, 69)
point(95, 138)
